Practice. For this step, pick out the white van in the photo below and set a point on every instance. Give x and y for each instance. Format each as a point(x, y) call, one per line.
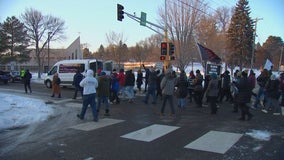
point(66, 70)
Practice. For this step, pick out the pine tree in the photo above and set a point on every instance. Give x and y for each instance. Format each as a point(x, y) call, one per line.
point(240, 35)
point(15, 43)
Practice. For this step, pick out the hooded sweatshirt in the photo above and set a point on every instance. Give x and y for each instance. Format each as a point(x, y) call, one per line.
point(89, 83)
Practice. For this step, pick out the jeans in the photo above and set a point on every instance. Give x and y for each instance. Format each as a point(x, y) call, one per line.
point(259, 94)
point(165, 99)
point(103, 99)
point(89, 99)
point(129, 91)
point(181, 102)
point(151, 91)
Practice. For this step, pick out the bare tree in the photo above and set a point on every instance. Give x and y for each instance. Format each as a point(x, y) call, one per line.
point(42, 29)
point(183, 17)
point(117, 46)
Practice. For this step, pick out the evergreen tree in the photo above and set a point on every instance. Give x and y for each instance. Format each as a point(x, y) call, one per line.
point(240, 35)
point(15, 42)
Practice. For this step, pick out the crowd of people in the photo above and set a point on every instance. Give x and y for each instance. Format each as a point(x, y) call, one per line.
point(211, 90)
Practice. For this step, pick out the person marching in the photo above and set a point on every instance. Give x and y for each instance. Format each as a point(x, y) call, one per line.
point(56, 86)
point(212, 92)
point(76, 83)
point(89, 84)
point(103, 93)
point(168, 87)
point(181, 85)
point(27, 81)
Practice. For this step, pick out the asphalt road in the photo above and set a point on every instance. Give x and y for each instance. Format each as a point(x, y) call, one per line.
point(56, 138)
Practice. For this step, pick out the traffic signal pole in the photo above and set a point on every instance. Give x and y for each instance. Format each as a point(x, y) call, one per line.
point(143, 21)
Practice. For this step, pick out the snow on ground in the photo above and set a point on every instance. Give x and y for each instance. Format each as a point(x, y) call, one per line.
point(259, 135)
point(18, 111)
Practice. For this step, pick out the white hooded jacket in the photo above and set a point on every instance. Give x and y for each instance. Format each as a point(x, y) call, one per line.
point(89, 83)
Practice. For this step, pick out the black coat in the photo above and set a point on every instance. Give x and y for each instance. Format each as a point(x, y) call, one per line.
point(244, 91)
point(182, 86)
point(272, 89)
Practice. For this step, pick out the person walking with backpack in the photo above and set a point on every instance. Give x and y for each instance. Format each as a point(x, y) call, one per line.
point(103, 93)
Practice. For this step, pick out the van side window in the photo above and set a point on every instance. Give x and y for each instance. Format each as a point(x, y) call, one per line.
point(71, 68)
point(95, 66)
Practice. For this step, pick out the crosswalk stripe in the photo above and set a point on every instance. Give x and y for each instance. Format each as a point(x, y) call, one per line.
point(88, 126)
point(215, 141)
point(150, 133)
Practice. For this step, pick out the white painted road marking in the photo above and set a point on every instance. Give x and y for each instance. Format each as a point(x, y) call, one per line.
point(215, 141)
point(150, 133)
point(95, 125)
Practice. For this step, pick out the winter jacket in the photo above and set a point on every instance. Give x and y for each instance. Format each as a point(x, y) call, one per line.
point(181, 85)
point(89, 83)
point(212, 89)
point(244, 90)
point(27, 77)
point(121, 78)
point(77, 79)
point(103, 86)
point(168, 84)
point(56, 84)
point(272, 89)
point(129, 79)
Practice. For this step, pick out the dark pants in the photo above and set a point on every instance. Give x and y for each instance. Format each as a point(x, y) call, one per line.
point(213, 104)
point(89, 99)
point(28, 86)
point(76, 91)
point(244, 111)
point(198, 95)
point(226, 92)
point(165, 99)
point(114, 96)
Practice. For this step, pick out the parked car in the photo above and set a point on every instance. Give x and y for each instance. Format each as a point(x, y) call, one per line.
point(15, 76)
point(5, 76)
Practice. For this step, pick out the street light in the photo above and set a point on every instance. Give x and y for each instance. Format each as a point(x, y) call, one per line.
point(48, 39)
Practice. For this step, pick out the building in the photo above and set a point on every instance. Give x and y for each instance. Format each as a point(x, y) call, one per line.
point(73, 51)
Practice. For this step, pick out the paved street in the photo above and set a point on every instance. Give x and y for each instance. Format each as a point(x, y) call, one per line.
point(136, 131)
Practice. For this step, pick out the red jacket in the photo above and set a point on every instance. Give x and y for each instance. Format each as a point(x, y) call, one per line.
point(121, 78)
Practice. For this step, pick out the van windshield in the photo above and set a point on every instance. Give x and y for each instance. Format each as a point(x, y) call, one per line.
point(53, 70)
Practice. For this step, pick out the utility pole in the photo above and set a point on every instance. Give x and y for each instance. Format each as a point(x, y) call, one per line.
point(253, 41)
point(280, 60)
point(167, 60)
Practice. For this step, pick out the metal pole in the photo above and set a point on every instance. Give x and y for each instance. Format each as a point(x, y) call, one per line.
point(280, 60)
point(48, 39)
point(253, 43)
point(166, 62)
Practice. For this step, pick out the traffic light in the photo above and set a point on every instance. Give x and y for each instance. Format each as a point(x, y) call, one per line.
point(164, 48)
point(162, 58)
point(120, 12)
point(172, 49)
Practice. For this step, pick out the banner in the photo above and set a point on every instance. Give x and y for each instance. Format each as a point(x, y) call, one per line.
point(208, 55)
point(268, 64)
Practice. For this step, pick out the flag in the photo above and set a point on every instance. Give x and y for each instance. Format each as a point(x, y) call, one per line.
point(268, 64)
point(208, 55)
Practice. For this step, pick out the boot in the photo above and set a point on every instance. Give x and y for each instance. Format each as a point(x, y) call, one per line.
point(107, 113)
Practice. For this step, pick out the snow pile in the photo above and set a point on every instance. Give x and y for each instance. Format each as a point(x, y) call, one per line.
point(260, 135)
point(16, 111)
